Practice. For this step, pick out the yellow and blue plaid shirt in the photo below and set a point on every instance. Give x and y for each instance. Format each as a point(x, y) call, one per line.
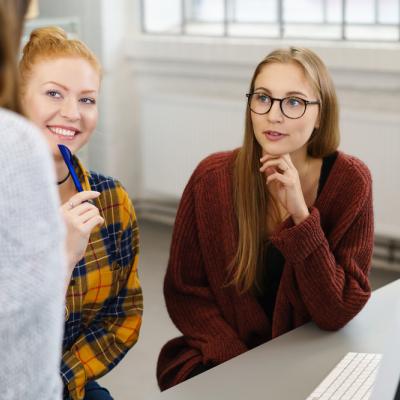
point(104, 301)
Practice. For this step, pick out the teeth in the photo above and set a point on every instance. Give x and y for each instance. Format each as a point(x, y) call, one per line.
point(63, 132)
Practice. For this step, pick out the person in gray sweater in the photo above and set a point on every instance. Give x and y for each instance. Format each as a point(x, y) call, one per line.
point(32, 253)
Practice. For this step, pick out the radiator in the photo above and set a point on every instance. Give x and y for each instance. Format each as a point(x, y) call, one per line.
point(178, 131)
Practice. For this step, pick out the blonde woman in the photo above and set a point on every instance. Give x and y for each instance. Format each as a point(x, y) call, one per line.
point(271, 235)
point(60, 87)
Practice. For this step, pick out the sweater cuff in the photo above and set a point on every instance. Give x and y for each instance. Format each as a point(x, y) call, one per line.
point(297, 242)
point(223, 350)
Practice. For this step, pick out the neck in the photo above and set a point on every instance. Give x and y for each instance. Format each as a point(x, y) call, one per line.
point(61, 170)
point(301, 160)
point(66, 189)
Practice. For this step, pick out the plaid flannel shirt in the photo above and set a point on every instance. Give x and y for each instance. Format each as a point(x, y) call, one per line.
point(104, 302)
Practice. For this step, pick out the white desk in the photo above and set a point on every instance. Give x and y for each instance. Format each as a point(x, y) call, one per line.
point(292, 365)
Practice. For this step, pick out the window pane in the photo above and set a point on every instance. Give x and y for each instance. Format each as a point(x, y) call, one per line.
point(372, 11)
point(372, 20)
point(333, 10)
point(204, 17)
point(205, 10)
point(313, 19)
point(389, 11)
point(360, 11)
point(254, 10)
point(303, 10)
point(162, 16)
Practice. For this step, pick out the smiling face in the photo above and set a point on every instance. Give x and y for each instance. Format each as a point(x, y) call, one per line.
point(276, 133)
point(60, 96)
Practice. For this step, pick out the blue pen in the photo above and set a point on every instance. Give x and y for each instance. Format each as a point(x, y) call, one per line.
point(67, 156)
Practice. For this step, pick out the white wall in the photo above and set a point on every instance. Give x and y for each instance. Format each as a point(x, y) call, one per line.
point(168, 102)
point(192, 103)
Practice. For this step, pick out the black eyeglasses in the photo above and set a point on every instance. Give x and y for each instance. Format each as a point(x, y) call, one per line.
point(292, 107)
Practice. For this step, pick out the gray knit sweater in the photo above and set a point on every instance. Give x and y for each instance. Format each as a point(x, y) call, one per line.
point(32, 265)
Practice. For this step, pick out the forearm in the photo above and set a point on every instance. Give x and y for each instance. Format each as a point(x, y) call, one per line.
point(333, 282)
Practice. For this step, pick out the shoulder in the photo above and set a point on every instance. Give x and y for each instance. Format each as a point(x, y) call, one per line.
point(25, 159)
point(10, 119)
point(17, 133)
point(353, 172)
point(220, 164)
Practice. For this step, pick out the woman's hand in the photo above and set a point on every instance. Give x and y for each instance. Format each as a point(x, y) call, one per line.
point(80, 217)
point(284, 182)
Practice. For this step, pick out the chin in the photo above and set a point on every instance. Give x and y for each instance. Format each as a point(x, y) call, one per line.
point(275, 150)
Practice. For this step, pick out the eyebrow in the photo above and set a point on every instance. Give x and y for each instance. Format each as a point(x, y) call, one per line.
point(293, 92)
point(65, 88)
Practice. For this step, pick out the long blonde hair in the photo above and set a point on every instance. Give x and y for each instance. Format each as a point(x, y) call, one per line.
point(49, 43)
point(250, 195)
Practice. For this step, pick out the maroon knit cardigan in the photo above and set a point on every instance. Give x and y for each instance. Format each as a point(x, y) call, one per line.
point(325, 276)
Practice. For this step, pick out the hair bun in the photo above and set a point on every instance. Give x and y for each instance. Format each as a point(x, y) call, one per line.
point(52, 42)
point(48, 33)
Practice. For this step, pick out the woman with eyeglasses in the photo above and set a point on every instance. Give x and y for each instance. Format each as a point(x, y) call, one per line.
point(274, 234)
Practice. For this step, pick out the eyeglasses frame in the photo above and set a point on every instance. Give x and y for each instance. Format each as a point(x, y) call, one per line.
point(306, 102)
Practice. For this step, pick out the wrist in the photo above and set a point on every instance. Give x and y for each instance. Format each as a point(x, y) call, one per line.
point(302, 216)
point(70, 269)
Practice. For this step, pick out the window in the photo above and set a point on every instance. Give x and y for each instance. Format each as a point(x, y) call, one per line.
point(370, 20)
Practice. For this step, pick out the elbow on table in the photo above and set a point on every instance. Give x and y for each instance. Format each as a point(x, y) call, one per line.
point(332, 325)
point(341, 317)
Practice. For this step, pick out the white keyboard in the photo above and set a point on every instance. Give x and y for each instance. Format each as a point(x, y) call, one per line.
point(351, 379)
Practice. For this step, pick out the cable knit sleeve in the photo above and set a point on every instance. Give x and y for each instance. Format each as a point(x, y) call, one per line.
point(332, 277)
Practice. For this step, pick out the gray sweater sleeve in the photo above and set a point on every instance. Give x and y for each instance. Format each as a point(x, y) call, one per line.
point(32, 265)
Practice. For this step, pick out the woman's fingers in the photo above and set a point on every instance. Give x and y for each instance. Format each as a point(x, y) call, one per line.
point(277, 162)
point(286, 157)
point(89, 214)
point(81, 214)
point(84, 196)
point(80, 198)
point(92, 223)
point(278, 177)
point(288, 160)
point(82, 209)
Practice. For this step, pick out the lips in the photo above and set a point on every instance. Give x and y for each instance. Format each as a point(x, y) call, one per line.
point(64, 131)
point(274, 135)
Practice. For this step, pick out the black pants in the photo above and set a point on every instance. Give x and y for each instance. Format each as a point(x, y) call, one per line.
point(93, 391)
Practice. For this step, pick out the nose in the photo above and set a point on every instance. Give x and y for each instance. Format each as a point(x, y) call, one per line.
point(70, 109)
point(275, 113)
